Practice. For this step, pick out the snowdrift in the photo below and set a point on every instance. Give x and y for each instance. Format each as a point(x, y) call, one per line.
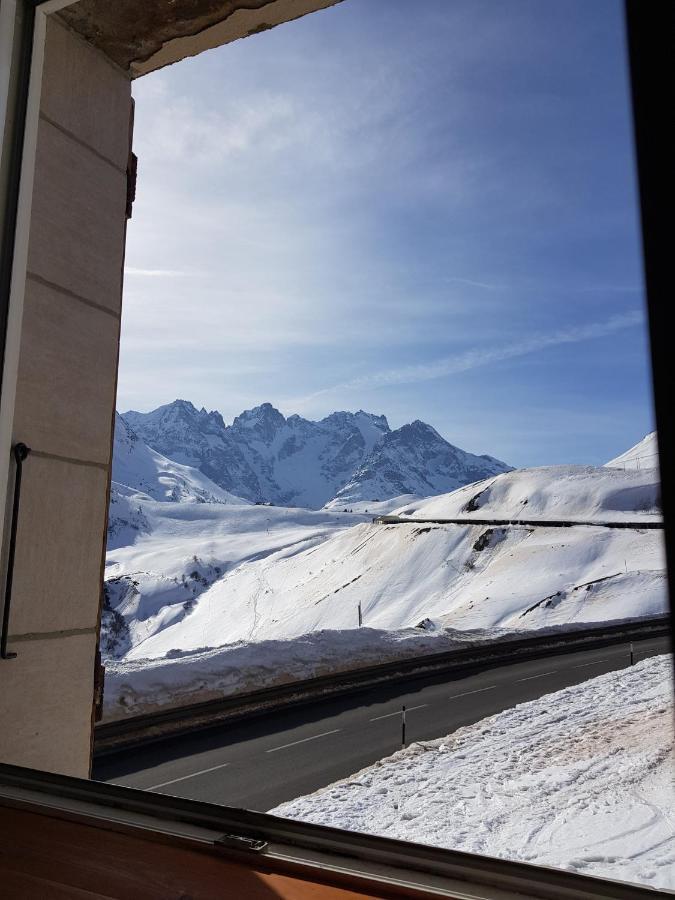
point(579, 779)
point(184, 677)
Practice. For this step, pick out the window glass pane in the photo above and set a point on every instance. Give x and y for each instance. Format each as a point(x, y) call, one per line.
point(384, 393)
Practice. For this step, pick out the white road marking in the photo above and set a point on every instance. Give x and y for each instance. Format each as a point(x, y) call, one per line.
point(185, 777)
point(477, 691)
point(583, 665)
point(398, 712)
point(540, 675)
point(304, 740)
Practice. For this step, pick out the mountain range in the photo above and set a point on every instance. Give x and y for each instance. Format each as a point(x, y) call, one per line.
point(343, 459)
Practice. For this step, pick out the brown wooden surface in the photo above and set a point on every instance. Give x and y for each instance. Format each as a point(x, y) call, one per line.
point(49, 858)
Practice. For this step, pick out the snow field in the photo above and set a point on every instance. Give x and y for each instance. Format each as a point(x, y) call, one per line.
point(580, 779)
point(181, 549)
point(460, 576)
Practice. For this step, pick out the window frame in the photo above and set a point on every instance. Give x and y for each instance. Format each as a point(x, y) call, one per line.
point(650, 29)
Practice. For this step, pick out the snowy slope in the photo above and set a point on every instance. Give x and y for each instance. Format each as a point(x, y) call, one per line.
point(580, 779)
point(460, 576)
point(415, 459)
point(137, 466)
point(163, 556)
point(644, 455)
point(582, 493)
point(293, 461)
point(126, 519)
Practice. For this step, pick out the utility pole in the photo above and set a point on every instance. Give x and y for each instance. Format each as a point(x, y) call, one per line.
point(403, 727)
point(360, 615)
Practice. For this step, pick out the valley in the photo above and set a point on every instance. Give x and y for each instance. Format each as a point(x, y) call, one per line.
point(202, 580)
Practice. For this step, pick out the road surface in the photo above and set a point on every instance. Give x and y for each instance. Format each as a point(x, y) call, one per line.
point(260, 762)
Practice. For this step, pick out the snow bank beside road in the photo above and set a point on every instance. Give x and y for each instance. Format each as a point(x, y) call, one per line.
point(134, 687)
point(182, 677)
point(580, 779)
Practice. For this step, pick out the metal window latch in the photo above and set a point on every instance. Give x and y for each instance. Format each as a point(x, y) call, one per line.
point(239, 842)
point(132, 177)
point(99, 683)
point(20, 452)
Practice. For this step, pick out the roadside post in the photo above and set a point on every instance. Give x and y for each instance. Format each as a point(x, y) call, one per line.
point(632, 657)
point(360, 615)
point(403, 727)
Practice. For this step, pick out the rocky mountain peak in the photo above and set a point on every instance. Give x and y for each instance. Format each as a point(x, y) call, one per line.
point(265, 421)
point(343, 417)
point(418, 430)
point(212, 419)
point(181, 408)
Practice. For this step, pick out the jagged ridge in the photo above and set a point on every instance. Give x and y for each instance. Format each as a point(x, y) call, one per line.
point(344, 458)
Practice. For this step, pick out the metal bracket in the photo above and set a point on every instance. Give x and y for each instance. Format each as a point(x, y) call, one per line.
point(20, 452)
point(239, 842)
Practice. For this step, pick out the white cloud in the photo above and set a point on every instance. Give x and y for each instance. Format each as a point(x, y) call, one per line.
point(474, 359)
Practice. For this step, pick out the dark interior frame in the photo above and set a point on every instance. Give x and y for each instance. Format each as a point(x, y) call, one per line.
point(27, 10)
point(650, 29)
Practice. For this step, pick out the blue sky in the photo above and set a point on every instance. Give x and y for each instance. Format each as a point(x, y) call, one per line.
point(431, 219)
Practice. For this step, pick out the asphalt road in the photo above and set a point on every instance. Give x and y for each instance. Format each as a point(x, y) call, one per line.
point(261, 762)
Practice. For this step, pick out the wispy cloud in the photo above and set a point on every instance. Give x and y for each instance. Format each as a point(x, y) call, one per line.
point(486, 285)
point(474, 359)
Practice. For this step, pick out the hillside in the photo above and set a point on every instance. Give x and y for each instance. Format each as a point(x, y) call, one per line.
point(163, 556)
point(585, 493)
point(644, 455)
point(450, 575)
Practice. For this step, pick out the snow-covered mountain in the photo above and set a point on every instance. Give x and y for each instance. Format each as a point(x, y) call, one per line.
point(644, 455)
point(342, 459)
point(414, 459)
point(140, 476)
point(137, 466)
